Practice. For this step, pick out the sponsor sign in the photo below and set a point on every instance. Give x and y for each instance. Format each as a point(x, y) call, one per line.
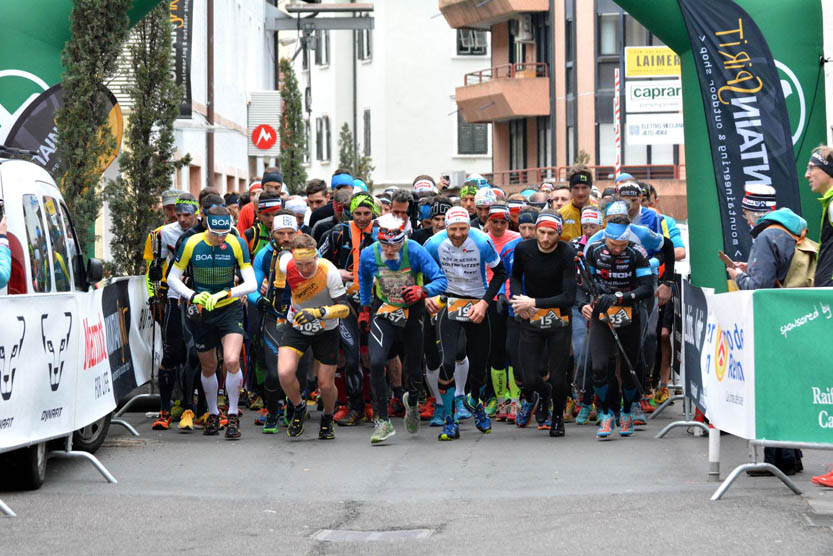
point(660, 95)
point(264, 119)
point(181, 17)
point(651, 61)
point(654, 129)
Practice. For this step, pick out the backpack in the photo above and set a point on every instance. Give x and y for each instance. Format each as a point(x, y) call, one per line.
point(803, 264)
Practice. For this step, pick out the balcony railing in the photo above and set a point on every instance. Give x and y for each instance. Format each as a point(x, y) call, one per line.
point(534, 177)
point(507, 71)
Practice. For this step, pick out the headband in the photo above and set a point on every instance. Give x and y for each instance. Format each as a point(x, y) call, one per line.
point(255, 186)
point(499, 211)
point(468, 190)
point(546, 187)
point(527, 217)
point(187, 206)
point(219, 223)
point(284, 222)
point(457, 215)
point(359, 184)
point(591, 215)
point(424, 185)
point(385, 200)
point(818, 161)
point(516, 206)
point(363, 200)
point(269, 205)
point(340, 180)
point(616, 231)
point(547, 220)
point(440, 207)
point(298, 206)
point(304, 254)
point(629, 189)
point(580, 178)
point(616, 207)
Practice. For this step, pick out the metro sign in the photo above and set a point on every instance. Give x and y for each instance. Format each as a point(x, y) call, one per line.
point(264, 137)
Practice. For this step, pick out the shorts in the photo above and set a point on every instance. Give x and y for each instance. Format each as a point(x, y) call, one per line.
point(324, 344)
point(215, 325)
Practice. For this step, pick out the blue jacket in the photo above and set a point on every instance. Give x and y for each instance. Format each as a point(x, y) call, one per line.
point(5, 261)
point(261, 265)
point(421, 263)
point(772, 250)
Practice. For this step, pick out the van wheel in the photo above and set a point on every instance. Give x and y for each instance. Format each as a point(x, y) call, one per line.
point(90, 438)
point(27, 466)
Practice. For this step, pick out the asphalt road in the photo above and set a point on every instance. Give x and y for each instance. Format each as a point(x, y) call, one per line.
point(511, 492)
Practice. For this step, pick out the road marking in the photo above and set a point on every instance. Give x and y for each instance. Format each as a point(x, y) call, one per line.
point(335, 535)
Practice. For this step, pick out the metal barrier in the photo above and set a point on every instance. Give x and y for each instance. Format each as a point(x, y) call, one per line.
point(116, 416)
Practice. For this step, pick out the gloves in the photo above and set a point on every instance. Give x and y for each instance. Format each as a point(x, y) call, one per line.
point(502, 305)
point(364, 320)
point(305, 316)
point(263, 305)
point(200, 298)
point(605, 302)
point(212, 300)
point(412, 294)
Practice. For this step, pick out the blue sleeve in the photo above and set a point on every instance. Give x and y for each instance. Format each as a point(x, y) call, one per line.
point(260, 271)
point(436, 281)
point(367, 268)
point(432, 245)
point(488, 253)
point(5, 262)
point(650, 240)
point(674, 232)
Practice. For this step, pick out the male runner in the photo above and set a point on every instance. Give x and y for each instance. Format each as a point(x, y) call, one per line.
point(581, 180)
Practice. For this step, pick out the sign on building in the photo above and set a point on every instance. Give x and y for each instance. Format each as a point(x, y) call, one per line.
point(654, 129)
point(264, 120)
point(660, 95)
point(651, 61)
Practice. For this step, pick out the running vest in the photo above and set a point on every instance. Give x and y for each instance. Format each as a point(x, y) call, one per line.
point(389, 282)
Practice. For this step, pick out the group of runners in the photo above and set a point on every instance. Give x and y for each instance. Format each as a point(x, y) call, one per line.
point(436, 304)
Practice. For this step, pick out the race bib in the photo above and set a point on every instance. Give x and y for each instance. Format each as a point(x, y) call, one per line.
point(458, 309)
point(391, 282)
point(398, 316)
point(618, 316)
point(309, 328)
point(547, 319)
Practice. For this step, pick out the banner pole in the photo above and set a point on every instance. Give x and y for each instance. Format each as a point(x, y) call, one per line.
point(714, 454)
point(617, 125)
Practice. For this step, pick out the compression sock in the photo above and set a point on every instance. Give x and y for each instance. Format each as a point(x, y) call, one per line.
point(601, 392)
point(629, 396)
point(447, 401)
point(512, 386)
point(499, 383)
point(167, 379)
point(398, 392)
point(234, 381)
point(461, 376)
point(210, 386)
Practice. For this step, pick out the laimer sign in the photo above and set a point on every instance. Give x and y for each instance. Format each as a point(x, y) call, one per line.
point(662, 95)
point(651, 61)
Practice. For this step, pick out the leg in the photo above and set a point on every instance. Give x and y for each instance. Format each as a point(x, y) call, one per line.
point(272, 385)
point(350, 343)
point(478, 338)
point(379, 342)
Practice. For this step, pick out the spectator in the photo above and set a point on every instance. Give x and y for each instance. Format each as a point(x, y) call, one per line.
point(820, 175)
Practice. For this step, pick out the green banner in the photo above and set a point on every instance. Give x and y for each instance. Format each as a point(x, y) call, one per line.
point(793, 31)
point(793, 379)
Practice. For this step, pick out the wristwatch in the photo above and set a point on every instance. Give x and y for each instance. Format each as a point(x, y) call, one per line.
point(619, 297)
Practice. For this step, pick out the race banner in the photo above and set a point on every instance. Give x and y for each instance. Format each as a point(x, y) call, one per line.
point(55, 358)
point(747, 122)
point(181, 17)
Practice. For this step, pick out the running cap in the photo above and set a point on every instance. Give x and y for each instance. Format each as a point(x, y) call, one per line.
point(527, 193)
point(616, 207)
point(457, 215)
point(623, 176)
point(391, 229)
point(169, 197)
point(527, 217)
point(269, 205)
point(550, 220)
point(285, 222)
point(499, 212)
point(440, 207)
point(424, 211)
point(272, 177)
point(591, 215)
point(424, 186)
point(616, 231)
point(296, 205)
point(759, 198)
point(340, 180)
point(629, 189)
point(485, 198)
point(218, 223)
point(499, 193)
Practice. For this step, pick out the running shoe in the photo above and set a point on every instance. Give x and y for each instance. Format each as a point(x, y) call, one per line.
point(481, 420)
point(662, 395)
point(451, 430)
point(233, 427)
point(313, 396)
point(163, 422)
point(200, 422)
point(426, 409)
point(557, 426)
point(411, 415)
point(176, 411)
point(296, 426)
point(326, 431)
point(637, 415)
point(212, 425)
point(502, 408)
point(186, 421)
point(625, 424)
point(437, 419)
point(260, 417)
point(595, 416)
point(368, 412)
point(568, 410)
point(546, 423)
point(341, 413)
point(527, 409)
point(396, 408)
point(583, 414)
point(606, 425)
point(647, 405)
point(352, 419)
point(542, 412)
point(222, 419)
point(382, 430)
point(825, 480)
point(222, 402)
point(255, 403)
point(460, 410)
point(270, 424)
point(491, 407)
point(512, 413)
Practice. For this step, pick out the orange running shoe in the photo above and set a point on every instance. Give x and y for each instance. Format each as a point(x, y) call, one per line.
point(426, 410)
point(163, 422)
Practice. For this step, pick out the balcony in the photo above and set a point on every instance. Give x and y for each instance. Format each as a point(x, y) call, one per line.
point(505, 92)
point(480, 14)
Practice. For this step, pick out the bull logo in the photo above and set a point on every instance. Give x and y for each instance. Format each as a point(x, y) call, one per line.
point(56, 366)
point(7, 366)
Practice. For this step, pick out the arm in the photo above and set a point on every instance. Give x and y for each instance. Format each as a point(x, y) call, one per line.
point(260, 273)
point(498, 278)
point(668, 257)
point(762, 271)
point(176, 283)
point(249, 283)
point(366, 264)
point(516, 281)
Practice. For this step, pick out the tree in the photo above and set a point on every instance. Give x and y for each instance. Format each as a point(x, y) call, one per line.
point(293, 131)
point(148, 160)
point(361, 168)
point(99, 28)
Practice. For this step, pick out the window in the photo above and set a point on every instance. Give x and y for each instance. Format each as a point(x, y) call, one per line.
point(319, 139)
point(635, 33)
point(58, 238)
point(544, 142)
point(609, 34)
point(364, 46)
point(517, 144)
point(304, 55)
point(471, 42)
point(367, 133)
point(307, 142)
point(322, 47)
point(327, 139)
point(38, 251)
point(570, 79)
point(472, 138)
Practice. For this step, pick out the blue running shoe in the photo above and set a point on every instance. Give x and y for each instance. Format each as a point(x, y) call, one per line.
point(638, 415)
point(527, 410)
point(437, 420)
point(460, 410)
point(481, 420)
point(451, 430)
point(583, 414)
point(625, 424)
point(608, 421)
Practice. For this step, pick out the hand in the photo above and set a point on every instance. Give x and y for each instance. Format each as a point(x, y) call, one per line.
point(502, 305)
point(364, 319)
point(263, 305)
point(264, 287)
point(432, 305)
point(346, 275)
point(413, 294)
point(522, 303)
point(733, 273)
point(3, 225)
point(201, 298)
point(526, 314)
point(305, 316)
point(663, 294)
point(744, 267)
point(587, 312)
point(212, 300)
point(605, 302)
point(477, 312)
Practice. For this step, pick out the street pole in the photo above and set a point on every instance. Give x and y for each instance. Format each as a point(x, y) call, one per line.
point(209, 138)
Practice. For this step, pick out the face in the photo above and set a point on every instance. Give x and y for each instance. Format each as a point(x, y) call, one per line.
point(467, 203)
point(527, 231)
point(214, 238)
point(186, 219)
point(590, 229)
point(559, 198)
point(272, 186)
point(390, 251)
point(546, 237)
point(616, 246)
point(581, 194)
point(426, 223)
point(266, 218)
point(513, 217)
point(318, 199)
point(497, 226)
point(385, 208)
point(307, 268)
point(438, 223)
point(362, 217)
point(170, 213)
point(458, 233)
point(283, 237)
point(299, 218)
point(400, 209)
point(751, 218)
point(234, 209)
point(819, 181)
point(482, 213)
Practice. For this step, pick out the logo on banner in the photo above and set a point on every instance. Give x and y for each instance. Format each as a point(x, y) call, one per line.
point(794, 96)
point(56, 365)
point(720, 356)
point(95, 345)
point(8, 355)
point(264, 137)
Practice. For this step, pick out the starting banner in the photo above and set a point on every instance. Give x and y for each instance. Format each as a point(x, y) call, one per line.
point(67, 359)
point(750, 354)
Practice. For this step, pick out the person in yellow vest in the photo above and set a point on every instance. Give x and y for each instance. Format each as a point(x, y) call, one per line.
point(581, 181)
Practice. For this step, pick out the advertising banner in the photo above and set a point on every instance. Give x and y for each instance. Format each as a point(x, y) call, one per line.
point(655, 129)
point(661, 95)
point(182, 15)
point(651, 61)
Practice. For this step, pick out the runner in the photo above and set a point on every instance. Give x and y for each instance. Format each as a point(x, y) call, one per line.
point(257, 236)
point(217, 315)
point(467, 194)
point(484, 199)
point(581, 180)
point(463, 255)
point(543, 275)
point(319, 300)
point(404, 275)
